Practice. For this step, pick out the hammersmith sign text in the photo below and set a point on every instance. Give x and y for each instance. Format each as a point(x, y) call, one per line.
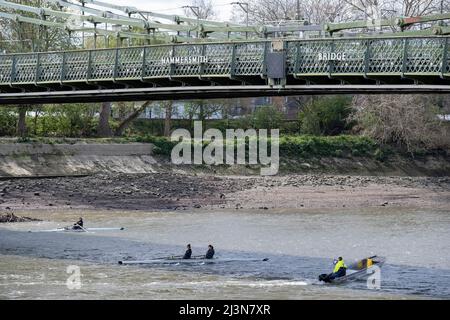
point(185, 60)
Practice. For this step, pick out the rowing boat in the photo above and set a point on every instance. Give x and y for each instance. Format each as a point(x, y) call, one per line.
point(70, 229)
point(190, 261)
point(361, 269)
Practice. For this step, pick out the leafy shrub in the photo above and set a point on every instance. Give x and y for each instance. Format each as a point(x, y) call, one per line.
point(326, 116)
point(333, 146)
point(267, 117)
point(163, 145)
point(8, 121)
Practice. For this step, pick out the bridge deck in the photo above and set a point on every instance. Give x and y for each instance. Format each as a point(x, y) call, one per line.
point(359, 62)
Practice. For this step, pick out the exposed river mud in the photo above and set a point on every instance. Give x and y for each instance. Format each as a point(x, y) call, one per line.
point(172, 191)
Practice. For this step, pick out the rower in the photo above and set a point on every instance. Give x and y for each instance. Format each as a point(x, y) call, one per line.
point(340, 269)
point(188, 253)
point(78, 224)
point(210, 252)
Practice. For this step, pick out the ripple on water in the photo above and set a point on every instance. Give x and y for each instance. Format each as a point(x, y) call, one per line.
point(300, 246)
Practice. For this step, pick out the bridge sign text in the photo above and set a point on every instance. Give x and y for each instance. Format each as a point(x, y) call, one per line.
point(184, 60)
point(332, 56)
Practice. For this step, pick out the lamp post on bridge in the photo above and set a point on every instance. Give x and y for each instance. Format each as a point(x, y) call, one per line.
point(244, 7)
point(196, 11)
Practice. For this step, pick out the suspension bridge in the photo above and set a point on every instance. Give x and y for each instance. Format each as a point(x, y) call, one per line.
point(255, 61)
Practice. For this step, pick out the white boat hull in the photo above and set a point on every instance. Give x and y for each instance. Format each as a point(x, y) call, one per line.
point(189, 261)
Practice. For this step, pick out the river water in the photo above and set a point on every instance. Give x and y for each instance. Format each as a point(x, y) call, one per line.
point(299, 244)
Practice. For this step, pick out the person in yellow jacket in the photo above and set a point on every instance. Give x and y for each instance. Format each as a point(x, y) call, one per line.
point(340, 269)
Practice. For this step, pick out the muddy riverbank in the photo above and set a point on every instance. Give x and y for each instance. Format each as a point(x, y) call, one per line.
point(183, 191)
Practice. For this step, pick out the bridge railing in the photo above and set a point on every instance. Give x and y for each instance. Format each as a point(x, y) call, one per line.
point(376, 56)
point(420, 56)
point(223, 59)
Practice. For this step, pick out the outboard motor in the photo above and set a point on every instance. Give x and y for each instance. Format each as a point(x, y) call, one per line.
point(324, 277)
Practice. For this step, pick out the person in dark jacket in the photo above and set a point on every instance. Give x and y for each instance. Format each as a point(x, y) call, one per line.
point(78, 224)
point(210, 252)
point(188, 253)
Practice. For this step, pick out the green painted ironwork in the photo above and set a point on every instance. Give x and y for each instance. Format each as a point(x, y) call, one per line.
point(335, 27)
point(404, 22)
point(393, 22)
point(140, 27)
point(101, 17)
point(364, 58)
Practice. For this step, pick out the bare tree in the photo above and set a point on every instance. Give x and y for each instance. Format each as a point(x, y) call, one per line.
point(202, 9)
point(321, 11)
point(204, 109)
point(315, 11)
point(407, 120)
point(263, 11)
point(371, 9)
point(412, 8)
point(127, 119)
point(168, 106)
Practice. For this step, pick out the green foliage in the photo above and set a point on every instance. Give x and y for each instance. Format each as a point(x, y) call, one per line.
point(305, 146)
point(326, 116)
point(202, 109)
point(156, 126)
point(264, 117)
point(8, 119)
point(267, 117)
point(302, 146)
point(290, 127)
point(70, 120)
point(379, 154)
point(245, 122)
point(163, 145)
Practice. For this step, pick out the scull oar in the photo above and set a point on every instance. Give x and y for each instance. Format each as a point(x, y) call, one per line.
point(79, 230)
